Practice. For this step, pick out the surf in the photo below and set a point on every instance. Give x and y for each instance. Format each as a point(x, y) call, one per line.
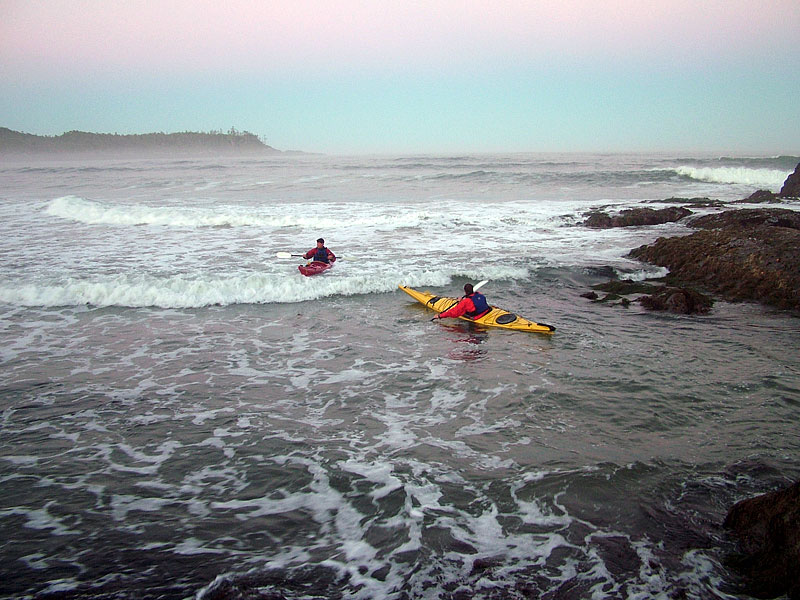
point(771, 179)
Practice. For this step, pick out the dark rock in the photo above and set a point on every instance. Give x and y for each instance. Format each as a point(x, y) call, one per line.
point(759, 196)
point(683, 301)
point(791, 187)
point(657, 297)
point(636, 217)
point(623, 287)
point(617, 289)
point(694, 202)
point(767, 529)
point(744, 218)
point(708, 204)
point(754, 256)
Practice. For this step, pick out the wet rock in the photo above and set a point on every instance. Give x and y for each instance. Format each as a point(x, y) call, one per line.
point(624, 287)
point(616, 290)
point(636, 217)
point(656, 297)
point(708, 204)
point(791, 187)
point(751, 255)
point(695, 202)
point(767, 529)
point(682, 301)
point(743, 218)
point(759, 197)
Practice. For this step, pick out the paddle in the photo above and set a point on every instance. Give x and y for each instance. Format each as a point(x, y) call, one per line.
point(475, 288)
point(290, 255)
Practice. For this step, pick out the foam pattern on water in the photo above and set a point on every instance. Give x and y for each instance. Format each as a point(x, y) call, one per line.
point(185, 415)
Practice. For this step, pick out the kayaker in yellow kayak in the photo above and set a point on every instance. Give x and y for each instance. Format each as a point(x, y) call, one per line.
point(472, 305)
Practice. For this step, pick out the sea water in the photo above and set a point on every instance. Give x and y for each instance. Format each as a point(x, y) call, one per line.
point(184, 415)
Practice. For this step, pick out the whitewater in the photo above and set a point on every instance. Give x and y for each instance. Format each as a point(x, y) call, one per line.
point(184, 415)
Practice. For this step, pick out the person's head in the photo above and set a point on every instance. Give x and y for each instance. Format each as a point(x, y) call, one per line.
point(320, 243)
point(467, 288)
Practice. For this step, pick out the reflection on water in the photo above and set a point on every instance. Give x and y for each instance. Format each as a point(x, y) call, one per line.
point(467, 339)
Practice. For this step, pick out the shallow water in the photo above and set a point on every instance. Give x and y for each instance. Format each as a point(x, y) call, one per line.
point(217, 426)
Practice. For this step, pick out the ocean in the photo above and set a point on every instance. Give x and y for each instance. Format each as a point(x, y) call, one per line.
point(185, 416)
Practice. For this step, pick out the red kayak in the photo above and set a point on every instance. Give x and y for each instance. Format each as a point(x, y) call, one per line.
point(315, 267)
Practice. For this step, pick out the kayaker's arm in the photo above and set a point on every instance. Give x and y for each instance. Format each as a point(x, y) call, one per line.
point(459, 309)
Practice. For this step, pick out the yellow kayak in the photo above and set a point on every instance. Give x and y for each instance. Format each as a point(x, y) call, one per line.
point(497, 317)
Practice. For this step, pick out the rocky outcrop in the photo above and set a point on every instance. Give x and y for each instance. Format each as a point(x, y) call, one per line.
point(747, 218)
point(653, 297)
point(760, 197)
point(696, 202)
point(678, 300)
point(617, 291)
point(791, 187)
point(767, 529)
point(741, 255)
point(747, 254)
point(636, 217)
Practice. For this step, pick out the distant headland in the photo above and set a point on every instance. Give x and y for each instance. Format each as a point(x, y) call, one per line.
point(149, 144)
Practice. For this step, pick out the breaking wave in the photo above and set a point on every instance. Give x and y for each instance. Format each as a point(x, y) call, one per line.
point(765, 178)
point(187, 291)
point(92, 212)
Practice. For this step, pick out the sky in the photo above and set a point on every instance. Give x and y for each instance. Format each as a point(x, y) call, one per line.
point(412, 76)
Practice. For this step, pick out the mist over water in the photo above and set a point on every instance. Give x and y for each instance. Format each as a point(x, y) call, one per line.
point(185, 415)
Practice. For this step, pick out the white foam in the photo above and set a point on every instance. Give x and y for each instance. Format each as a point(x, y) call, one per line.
point(192, 291)
point(193, 546)
point(371, 486)
point(121, 505)
point(335, 216)
point(766, 178)
point(644, 274)
point(42, 519)
point(379, 473)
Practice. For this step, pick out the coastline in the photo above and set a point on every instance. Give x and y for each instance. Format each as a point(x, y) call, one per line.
point(80, 143)
point(741, 254)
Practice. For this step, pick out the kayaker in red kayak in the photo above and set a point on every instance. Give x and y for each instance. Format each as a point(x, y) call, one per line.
point(320, 253)
point(472, 305)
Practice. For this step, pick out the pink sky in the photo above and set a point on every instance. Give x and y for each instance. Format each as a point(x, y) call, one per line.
point(413, 74)
point(240, 35)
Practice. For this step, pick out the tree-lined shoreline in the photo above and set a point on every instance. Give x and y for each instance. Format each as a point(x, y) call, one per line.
point(81, 142)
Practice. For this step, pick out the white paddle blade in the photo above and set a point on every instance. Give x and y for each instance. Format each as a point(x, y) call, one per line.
point(479, 285)
point(286, 254)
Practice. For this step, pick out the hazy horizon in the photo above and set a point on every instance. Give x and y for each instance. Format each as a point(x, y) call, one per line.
point(359, 77)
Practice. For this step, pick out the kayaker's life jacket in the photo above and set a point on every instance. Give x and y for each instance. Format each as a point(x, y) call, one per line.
point(481, 306)
point(321, 255)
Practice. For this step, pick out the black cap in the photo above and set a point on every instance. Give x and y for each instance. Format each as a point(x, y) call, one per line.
point(467, 288)
point(320, 241)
